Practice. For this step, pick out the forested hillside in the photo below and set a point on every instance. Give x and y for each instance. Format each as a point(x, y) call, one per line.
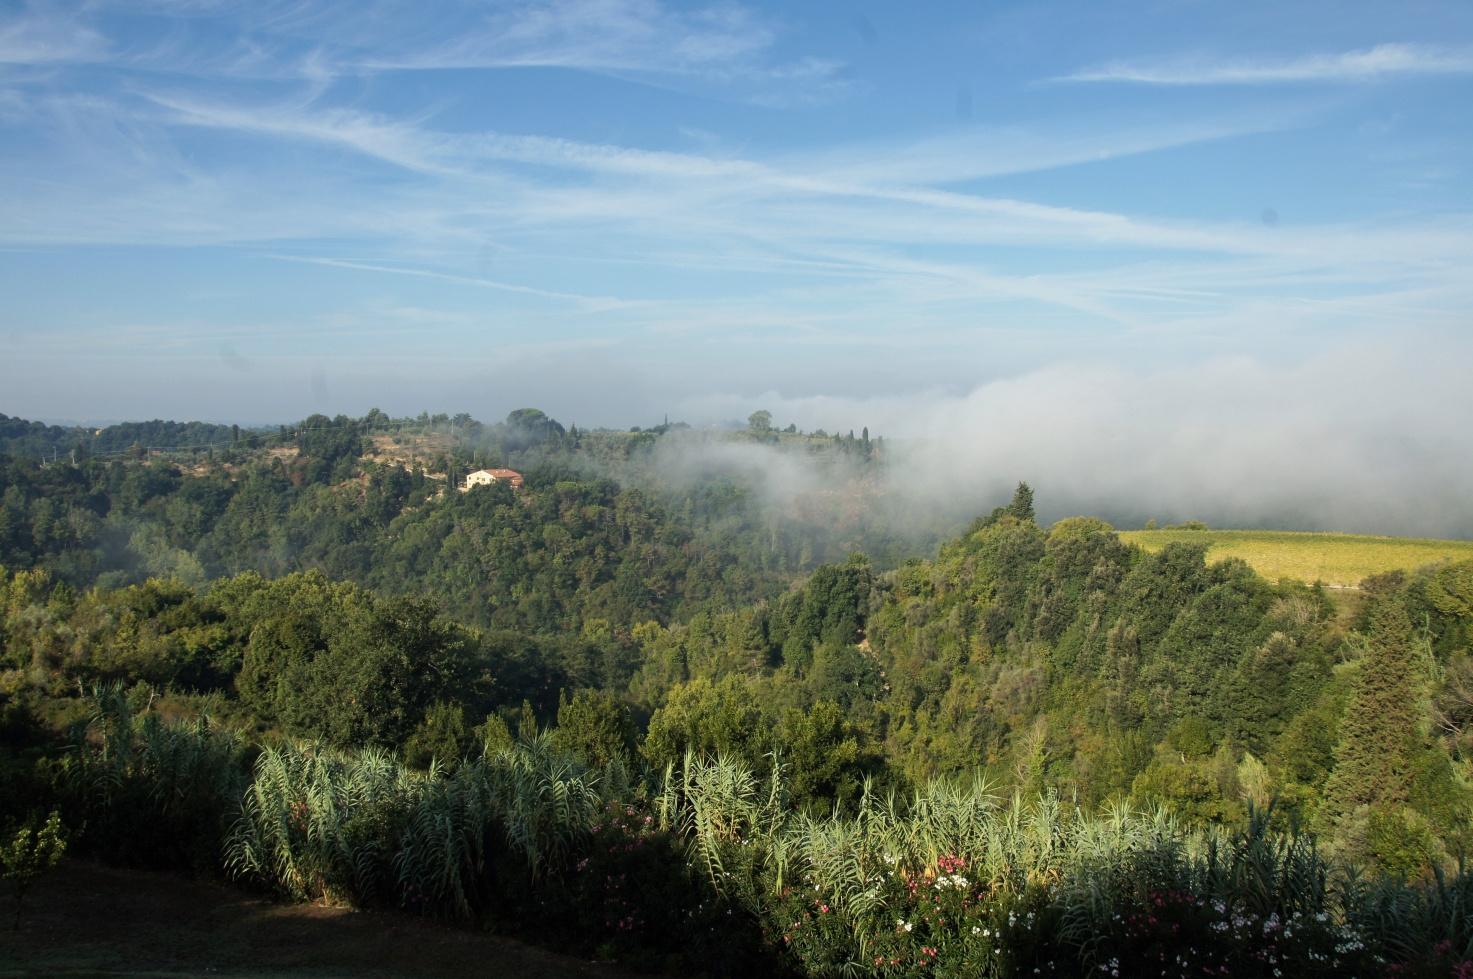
point(364, 500)
point(325, 589)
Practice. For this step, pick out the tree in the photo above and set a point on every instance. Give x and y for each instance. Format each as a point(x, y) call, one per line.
point(829, 609)
point(1451, 590)
point(529, 427)
point(1022, 505)
point(708, 719)
point(1378, 733)
point(441, 737)
point(332, 661)
point(829, 758)
point(596, 726)
point(1188, 790)
point(760, 421)
point(29, 854)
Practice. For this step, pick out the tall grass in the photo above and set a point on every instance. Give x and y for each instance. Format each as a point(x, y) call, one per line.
point(950, 880)
point(323, 825)
point(151, 792)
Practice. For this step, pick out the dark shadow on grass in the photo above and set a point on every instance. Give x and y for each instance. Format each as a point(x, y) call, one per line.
point(88, 920)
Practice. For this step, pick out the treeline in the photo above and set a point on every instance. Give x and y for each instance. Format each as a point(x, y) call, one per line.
point(43, 442)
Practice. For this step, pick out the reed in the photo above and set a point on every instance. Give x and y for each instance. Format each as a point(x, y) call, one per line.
point(950, 880)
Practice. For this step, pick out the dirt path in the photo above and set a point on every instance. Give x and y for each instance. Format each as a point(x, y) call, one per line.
point(90, 920)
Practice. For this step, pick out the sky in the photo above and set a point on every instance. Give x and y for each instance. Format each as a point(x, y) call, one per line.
point(1212, 242)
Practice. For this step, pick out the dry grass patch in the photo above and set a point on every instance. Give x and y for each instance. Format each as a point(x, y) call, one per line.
point(1342, 560)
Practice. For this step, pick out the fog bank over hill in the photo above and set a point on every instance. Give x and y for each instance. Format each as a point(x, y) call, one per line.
point(1369, 440)
point(1363, 438)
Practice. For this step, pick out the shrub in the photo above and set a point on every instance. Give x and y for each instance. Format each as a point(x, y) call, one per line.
point(27, 855)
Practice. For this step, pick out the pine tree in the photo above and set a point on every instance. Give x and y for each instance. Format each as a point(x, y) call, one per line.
point(1378, 734)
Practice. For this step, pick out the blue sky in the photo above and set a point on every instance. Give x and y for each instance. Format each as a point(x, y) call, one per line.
point(848, 213)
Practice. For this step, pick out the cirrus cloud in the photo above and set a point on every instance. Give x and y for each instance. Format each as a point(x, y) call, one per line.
point(1372, 64)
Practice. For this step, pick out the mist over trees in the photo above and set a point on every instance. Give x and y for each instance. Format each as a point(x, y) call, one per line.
point(641, 603)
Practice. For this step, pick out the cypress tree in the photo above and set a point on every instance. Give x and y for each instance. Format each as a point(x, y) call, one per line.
point(1022, 505)
point(1378, 734)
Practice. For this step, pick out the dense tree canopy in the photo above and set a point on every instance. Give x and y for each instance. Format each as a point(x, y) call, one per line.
point(332, 584)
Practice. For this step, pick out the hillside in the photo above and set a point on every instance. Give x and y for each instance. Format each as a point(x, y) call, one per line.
point(1340, 560)
point(719, 718)
point(655, 615)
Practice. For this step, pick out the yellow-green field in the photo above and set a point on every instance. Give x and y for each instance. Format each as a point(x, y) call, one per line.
point(1335, 559)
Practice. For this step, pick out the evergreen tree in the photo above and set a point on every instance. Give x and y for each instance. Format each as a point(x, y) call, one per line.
point(1377, 736)
point(1022, 505)
point(596, 726)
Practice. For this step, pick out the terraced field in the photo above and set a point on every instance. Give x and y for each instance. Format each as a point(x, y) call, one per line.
point(1342, 560)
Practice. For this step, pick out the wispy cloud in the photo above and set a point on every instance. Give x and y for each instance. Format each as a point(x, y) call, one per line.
point(46, 36)
point(592, 303)
point(887, 256)
point(848, 223)
point(628, 35)
point(1371, 64)
point(726, 47)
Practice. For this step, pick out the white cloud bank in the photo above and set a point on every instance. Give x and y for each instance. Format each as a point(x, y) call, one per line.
point(1368, 439)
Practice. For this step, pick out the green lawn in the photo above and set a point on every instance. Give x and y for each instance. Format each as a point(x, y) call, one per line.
point(87, 920)
point(1335, 559)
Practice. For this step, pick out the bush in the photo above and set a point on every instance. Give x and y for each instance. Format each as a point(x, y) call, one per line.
point(28, 853)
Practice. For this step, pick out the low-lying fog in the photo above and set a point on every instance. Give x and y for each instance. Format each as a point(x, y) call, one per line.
point(1371, 440)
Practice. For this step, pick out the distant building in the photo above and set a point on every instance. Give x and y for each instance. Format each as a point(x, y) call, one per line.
point(485, 477)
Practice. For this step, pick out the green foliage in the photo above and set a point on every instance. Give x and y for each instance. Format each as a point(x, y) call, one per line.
point(831, 759)
point(1379, 731)
point(829, 609)
point(775, 720)
point(1399, 841)
point(524, 835)
point(151, 793)
point(708, 718)
point(332, 662)
point(1190, 791)
point(1306, 752)
point(29, 853)
point(1191, 737)
point(1021, 508)
point(596, 727)
point(946, 881)
point(44, 442)
point(442, 738)
point(1451, 591)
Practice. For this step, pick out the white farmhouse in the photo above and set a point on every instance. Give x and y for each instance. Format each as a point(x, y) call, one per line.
point(485, 477)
